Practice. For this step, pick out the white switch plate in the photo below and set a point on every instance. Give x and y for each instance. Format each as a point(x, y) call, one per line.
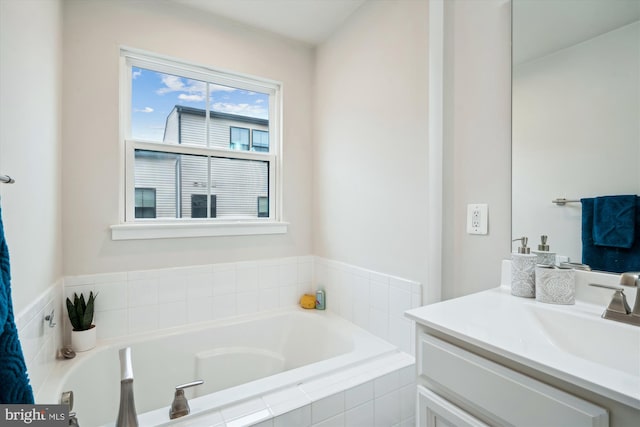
point(477, 218)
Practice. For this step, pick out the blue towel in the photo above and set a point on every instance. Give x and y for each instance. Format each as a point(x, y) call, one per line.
point(608, 258)
point(14, 382)
point(614, 219)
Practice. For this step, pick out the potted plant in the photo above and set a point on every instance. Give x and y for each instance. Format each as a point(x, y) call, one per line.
point(83, 335)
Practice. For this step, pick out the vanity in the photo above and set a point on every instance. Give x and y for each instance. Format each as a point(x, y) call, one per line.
point(491, 358)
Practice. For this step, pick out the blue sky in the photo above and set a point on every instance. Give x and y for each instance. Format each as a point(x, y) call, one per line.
point(153, 96)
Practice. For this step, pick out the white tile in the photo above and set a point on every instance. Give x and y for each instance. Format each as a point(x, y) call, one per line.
point(398, 283)
point(358, 395)
point(268, 275)
point(380, 295)
point(416, 300)
point(360, 416)
point(337, 421)
point(379, 323)
point(300, 417)
point(288, 272)
point(111, 296)
point(407, 401)
point(327, 407)
point(143, 292)
point(200, 309)
point(387, 409)
point(110, 277)
point(304, 288)
point(283, 395)
point(172, 314)
point(268, 299)
point(224, 280)
point(399, 301)
point(242, 409)
point(143, 319)
point(224, 306)
point(112, 323)
point(378, 277)
point(246, 302)
point(171, 289)
point(386, 383)
point(250, 419)
point(288, 295)
point(265, 423)
point(361, 315)
point(305, 271)
point(199, 286)
point(246, 277)
point(400, 333)
point(408, 375)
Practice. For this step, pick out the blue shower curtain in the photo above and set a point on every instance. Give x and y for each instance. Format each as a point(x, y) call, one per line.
point(14, 382)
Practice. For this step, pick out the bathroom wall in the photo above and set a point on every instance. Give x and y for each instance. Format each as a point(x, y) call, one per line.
point(477, 141)
point(370, 141)
point(30, 114)
point(93, 33)
point(575, 114)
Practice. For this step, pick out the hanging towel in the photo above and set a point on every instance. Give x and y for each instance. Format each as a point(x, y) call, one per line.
point(608, 258)
point(14, 382)
point(614, 219)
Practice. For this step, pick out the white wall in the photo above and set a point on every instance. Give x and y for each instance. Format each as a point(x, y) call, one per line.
point(575, 134)
point(30, 114)
point(93, 33)
point(477, 141)
point(371, 141)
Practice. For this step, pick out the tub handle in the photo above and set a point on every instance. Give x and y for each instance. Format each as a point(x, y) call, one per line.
point(180, 405)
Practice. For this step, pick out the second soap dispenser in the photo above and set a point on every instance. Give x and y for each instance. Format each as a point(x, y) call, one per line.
point(523, 270)
point(544, 255)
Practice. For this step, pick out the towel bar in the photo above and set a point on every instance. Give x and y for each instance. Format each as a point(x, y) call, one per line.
point(561, 201)
point(6, 179)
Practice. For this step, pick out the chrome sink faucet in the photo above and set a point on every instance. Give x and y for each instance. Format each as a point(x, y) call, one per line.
point(180, 405)
point(618, 309)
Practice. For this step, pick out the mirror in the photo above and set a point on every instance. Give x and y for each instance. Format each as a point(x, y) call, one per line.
point(575, 113)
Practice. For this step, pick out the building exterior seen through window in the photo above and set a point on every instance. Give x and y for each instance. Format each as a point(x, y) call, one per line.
point(200, 148)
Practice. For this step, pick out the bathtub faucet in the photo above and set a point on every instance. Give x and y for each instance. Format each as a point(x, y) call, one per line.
point(180, 406)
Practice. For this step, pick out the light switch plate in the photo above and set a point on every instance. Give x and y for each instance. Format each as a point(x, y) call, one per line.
point(477, 218)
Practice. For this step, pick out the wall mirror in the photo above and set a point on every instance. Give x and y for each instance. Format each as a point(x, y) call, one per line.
point(575, 113)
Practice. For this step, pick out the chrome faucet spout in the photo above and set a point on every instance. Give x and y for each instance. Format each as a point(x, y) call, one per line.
point(618, 308)
point(180, 405)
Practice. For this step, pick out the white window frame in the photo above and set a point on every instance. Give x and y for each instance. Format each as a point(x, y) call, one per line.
point(130, 227)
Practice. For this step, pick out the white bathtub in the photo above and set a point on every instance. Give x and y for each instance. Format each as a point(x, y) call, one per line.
point(237, 359)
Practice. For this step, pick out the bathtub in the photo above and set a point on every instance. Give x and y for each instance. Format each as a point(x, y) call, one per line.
point(238, 358)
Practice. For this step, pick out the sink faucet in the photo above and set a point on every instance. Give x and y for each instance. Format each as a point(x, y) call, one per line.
point(618, 309)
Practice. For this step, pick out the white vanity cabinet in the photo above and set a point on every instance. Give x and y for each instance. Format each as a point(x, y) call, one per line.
point(459, 388)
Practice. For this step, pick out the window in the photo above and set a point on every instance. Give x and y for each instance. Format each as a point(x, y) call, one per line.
point(199, 206)
point(263, 207)
point(145, 202)
point(239, 138)
point(196, 137)
point(260, 140)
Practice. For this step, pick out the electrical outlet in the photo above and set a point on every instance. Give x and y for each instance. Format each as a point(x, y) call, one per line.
point(477, 218)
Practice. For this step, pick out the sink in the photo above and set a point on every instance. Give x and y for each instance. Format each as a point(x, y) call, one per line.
point(606, 342)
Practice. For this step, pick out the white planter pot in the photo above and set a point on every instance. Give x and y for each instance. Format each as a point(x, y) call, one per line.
point(83, 340)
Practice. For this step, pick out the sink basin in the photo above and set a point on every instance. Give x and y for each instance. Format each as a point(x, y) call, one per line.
point(606, 342)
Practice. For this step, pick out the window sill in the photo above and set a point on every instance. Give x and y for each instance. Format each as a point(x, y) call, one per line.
point(142, 231)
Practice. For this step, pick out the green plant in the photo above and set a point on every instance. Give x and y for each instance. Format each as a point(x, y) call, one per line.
point(81, 312)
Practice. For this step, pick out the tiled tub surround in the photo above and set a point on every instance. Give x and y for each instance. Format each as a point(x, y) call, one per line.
point(142, 301)
point(39, 341)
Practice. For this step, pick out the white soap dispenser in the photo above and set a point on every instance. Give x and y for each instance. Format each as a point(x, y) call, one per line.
point(523, 271)
point(544, 255)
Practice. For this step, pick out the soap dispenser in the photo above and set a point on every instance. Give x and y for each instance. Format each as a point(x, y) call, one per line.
point(523, 270)
point(544, 256)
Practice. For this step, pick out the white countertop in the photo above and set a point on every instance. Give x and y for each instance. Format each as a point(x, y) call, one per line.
point(570, 342)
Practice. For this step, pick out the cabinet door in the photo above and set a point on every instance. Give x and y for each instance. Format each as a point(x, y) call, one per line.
point(435, 411)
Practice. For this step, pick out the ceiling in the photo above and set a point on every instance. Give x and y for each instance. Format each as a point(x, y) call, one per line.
point(308, 21)
point(541, 27)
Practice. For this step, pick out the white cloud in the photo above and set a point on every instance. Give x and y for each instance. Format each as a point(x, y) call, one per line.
point(143, 110)
point(136, 74)
point(220, 88)
point(259, 101)
point(241, 109)
point(190, 98)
